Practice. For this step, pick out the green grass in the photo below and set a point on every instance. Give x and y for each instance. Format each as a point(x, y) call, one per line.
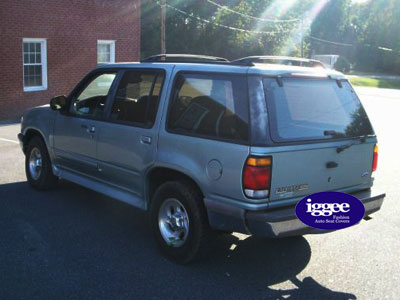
point(372, 82)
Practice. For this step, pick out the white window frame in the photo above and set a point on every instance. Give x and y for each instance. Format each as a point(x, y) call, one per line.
point(43, 53)
point(112, 50)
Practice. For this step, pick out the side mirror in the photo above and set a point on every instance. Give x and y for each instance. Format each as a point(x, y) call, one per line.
point(58, 103)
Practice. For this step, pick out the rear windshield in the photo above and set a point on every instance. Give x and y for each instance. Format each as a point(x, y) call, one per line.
point(312, 109)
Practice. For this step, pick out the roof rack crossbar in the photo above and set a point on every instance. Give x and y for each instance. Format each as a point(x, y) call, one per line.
point(183, 58)
point(251, 60)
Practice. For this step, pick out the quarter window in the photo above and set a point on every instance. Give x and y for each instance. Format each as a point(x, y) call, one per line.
point(34, 64)
point(105, 51)
point(137, 98)
point(210, 105)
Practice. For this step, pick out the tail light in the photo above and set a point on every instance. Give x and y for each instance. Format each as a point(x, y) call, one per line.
point(257, 177)
point(375, 159)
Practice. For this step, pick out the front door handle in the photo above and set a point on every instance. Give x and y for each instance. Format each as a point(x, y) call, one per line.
point(145, 139)
point(92, 129)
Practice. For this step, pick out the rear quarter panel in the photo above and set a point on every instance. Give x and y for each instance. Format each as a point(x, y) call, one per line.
point(199, 157)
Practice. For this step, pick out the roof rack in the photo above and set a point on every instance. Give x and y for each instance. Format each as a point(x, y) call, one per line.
point(282, 60)
point(245, 61)
point(173, 58)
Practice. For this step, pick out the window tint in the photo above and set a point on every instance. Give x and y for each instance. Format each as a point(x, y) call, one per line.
point(210, 105)
point(305, 109)
point(91, 100)
point(137, 97)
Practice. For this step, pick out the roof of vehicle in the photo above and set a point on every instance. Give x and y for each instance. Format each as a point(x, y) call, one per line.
point(278, 58)
point(294, 71)
point(227, 67)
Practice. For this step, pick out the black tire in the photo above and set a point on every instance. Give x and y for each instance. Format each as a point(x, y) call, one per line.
point(223, 232)
point(45, 178)
point(199, 231)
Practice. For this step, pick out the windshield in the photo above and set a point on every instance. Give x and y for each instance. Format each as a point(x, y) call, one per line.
point(311, 109)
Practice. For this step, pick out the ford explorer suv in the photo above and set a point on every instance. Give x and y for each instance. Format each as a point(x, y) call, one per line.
point(206, 145)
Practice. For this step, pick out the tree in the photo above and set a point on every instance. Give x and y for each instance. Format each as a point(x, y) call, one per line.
point(195, 29)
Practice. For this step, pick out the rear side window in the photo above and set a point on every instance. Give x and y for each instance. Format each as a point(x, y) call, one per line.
point(211, 106)
point(310, 109)
point(137, 98)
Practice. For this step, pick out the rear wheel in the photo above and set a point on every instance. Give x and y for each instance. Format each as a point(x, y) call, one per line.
point(38, 165)
point(179, 221)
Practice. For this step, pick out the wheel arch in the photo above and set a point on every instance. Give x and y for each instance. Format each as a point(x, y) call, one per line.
point(29, 133)
point(158, 175)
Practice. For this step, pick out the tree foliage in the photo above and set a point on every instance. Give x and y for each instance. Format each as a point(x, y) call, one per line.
point(370, 28)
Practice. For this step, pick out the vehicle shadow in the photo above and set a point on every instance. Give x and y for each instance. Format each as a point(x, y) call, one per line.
point(72, 243)
point(308, 289)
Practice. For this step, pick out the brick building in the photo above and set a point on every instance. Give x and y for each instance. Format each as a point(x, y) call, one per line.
point(48, 46)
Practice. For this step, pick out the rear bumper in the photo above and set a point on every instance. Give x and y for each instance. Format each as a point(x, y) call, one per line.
point(280, 222)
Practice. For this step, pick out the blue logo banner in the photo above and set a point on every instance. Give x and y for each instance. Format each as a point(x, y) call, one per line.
point(330, 210)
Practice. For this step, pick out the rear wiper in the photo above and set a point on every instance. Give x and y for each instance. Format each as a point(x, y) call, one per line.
point(344, 147)
point(334, 133)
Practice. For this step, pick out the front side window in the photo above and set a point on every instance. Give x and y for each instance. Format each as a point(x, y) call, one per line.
point(210, 105)
point(310, 109)
point(105, 51)
point(34, 64)
point(90, 101)
point(137, 97)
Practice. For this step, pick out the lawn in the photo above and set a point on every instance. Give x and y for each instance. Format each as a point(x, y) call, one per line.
point(372, 82)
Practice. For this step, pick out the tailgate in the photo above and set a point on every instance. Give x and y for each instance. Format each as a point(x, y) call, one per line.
point(303, 172)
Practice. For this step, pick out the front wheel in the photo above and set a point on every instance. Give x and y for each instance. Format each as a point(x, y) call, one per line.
point(179, 221)
point(38, 165)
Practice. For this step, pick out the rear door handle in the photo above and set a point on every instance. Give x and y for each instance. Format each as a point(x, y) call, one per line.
point(145, 139)
point(331, 165)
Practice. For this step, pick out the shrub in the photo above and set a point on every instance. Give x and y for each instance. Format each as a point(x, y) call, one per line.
point(342, 65)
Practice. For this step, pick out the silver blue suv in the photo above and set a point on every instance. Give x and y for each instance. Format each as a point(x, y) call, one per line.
point(206, 145)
